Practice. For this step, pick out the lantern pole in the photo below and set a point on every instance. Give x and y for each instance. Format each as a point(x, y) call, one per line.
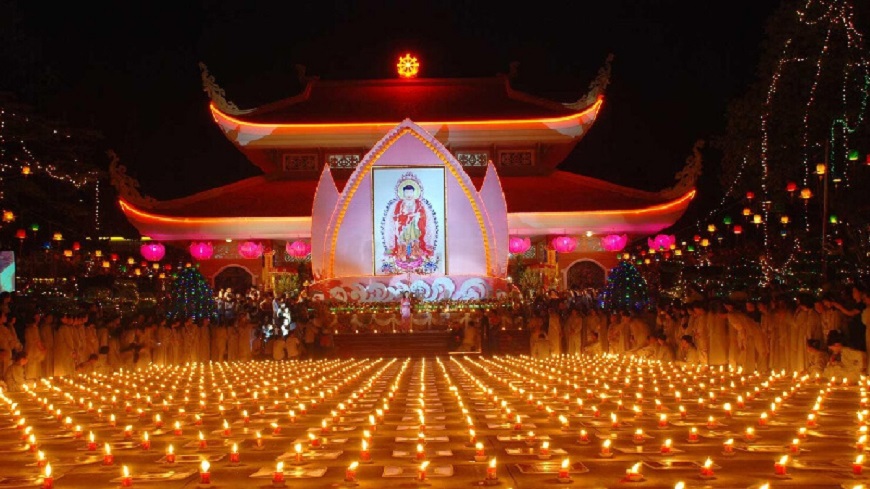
point(825, 216)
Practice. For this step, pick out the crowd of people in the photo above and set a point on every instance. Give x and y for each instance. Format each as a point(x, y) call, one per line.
point(819, 335)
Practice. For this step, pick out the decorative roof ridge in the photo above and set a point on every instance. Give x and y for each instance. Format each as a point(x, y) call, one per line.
point(300, 97)
point(596, 88)
point(688, 176)
point(127, 186)
point(217, 94)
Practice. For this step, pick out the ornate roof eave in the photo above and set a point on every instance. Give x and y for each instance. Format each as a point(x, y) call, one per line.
point(217, 94)
point(596, 88)
point(561, 129)
point(639, 221)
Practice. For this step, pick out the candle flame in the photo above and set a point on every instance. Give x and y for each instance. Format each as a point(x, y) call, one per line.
point(424, 465)
point(298, 447)
point(606, 443)
point(859, 459)
point(668, 442)
point(235, 448)
point(48, 470)
point(91, 436)
point(708, 463)
point(565, 463)
point(201, 436)
point(279, 467)
point(419, 447)
point(108, 449)
point(783, 460)
point(680, 485)
point(125, 471)
point(204, 466)
point(353, 466)
point(170, 449)
point(492, 463)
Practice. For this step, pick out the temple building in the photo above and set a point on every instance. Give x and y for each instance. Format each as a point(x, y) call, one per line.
point(495, 148)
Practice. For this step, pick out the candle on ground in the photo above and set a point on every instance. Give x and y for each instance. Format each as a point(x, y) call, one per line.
point(298, 449)
point(421, 476)
point(707, 469)
point(633, 474)
point(204, 474)
point(563, 471)
point(605, 449)
point(544, 451)
point(126, 478)
point(234, 454)
point(278, 476)
point(350, 473)
point(364, 453)
point(666, 446)
point(92, 442)
point(108, 458)
point(47, 479)
point(779, 468)
point(490, 470)
point(170, 454)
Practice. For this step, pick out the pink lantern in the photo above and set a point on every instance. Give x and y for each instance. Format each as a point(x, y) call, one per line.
point(662, 242)
point(152, 251)
point(251, 250)
point(298, 249)
point(614, 242)
point(564, 244)
point(517, 245)
point(201, 251)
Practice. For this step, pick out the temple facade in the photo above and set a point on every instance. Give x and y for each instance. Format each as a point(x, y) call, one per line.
point(346, 146)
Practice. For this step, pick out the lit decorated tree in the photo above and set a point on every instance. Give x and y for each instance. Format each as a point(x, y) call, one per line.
point(191, 296)
point(795, 161)
point(626, 289)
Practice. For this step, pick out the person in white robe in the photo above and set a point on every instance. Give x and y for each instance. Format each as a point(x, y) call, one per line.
point(279, 344)
point(700, 331)
point(233, 341)
point(717, 326)
point(46, 333)
point(639, 331)
point(542, 346)
point(64, 359)
point(554, 332)
point(844, 362)
point(575, 332)
point(34, 347)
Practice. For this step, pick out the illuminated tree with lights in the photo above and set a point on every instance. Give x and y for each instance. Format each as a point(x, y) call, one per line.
point(190, 296)
point(49, 174)
point(808, 108)
point(626, 289)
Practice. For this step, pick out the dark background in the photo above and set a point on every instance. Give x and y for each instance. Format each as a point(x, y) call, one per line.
point(129, 70)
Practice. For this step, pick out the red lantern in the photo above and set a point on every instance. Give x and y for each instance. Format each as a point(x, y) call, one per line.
point(21, 234)
point(696, 238)
point(614, 242)
point(201, 251)
point(518, 246)
point(113, 256)
point(738, 229)
point(791, 187)
point(298, 249)
point(251, 250)
point(153, 251)
point(76, 246)
point(167, 267)
point(750, 195)
point(564, 244)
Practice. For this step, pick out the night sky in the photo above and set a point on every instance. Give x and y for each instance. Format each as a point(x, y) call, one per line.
point(129, 69)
